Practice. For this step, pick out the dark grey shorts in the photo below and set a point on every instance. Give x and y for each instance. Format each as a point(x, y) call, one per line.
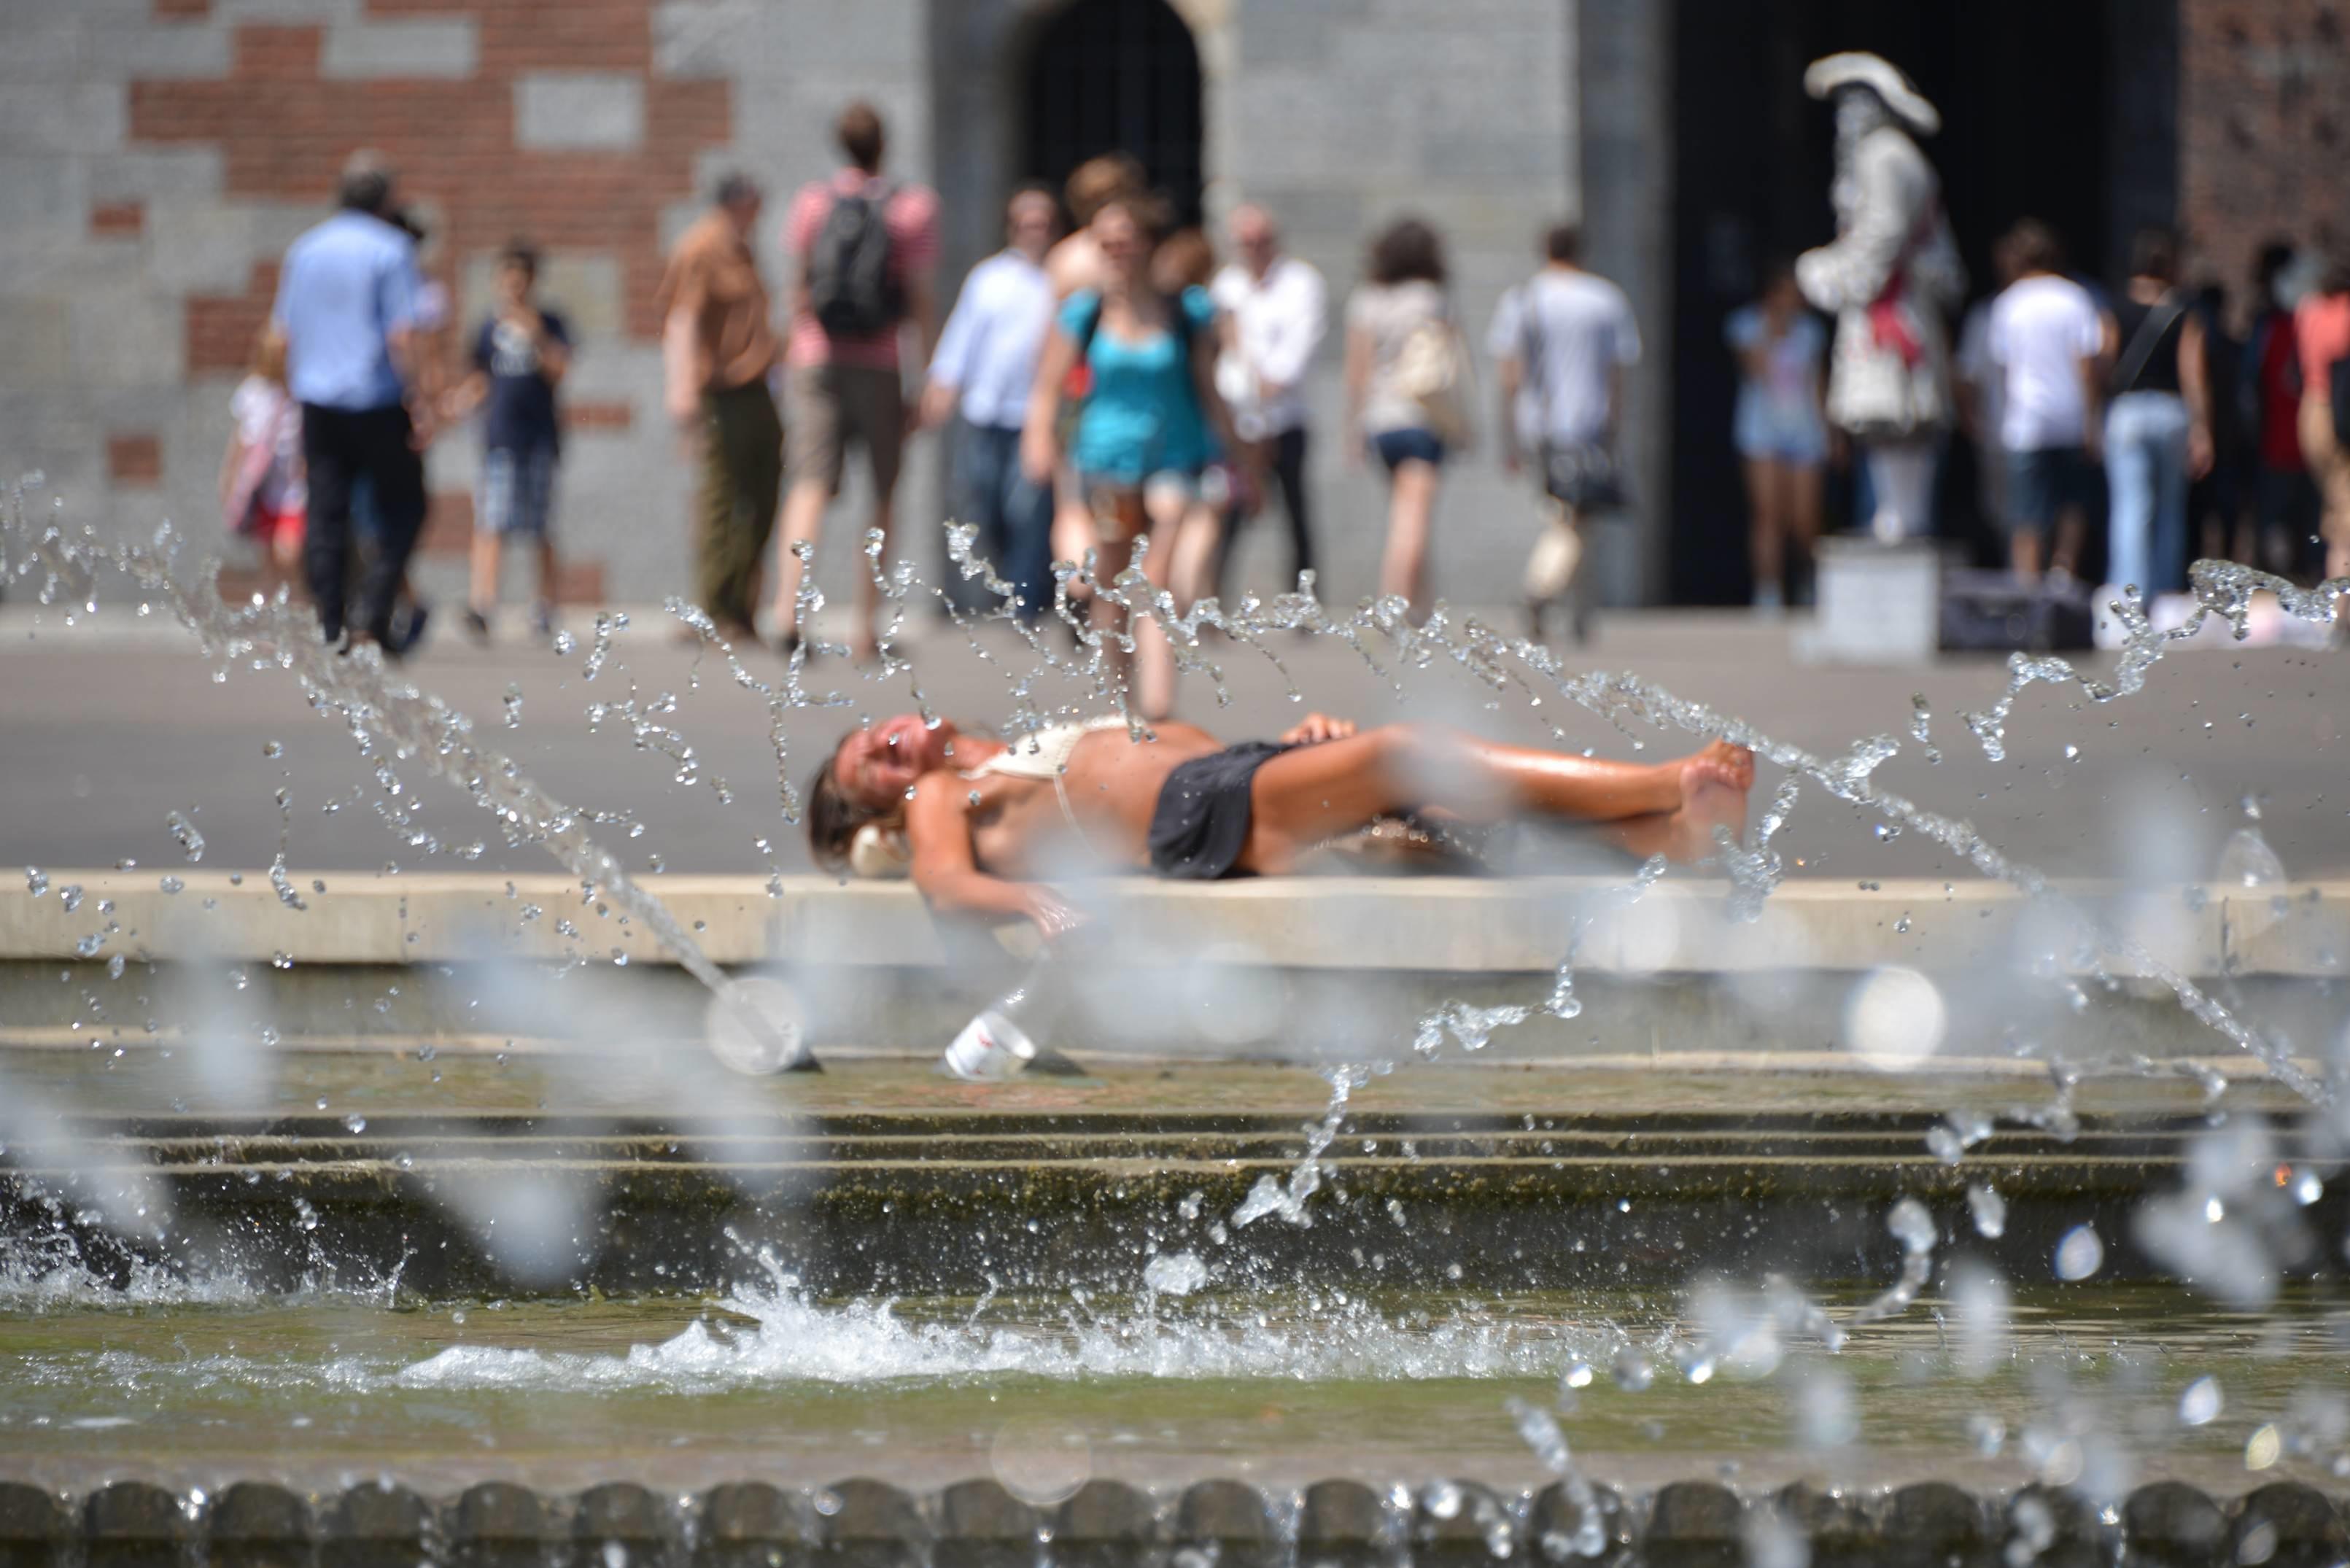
point(1201, 821)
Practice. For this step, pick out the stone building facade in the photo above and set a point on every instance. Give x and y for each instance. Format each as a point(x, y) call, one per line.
point(156, 156)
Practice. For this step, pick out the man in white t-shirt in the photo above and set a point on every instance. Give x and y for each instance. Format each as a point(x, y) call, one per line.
point(1278, 309)
point(2047, 337)
point(1565, 341)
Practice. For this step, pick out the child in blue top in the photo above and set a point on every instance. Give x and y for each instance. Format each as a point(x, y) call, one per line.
point(1149, 425)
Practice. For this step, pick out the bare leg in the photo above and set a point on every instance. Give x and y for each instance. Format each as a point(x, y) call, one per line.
point(2072, 528)
point(1804, 484)
point(481, 592)
point(2023, 555)
point(1191, 563)
point(865, 641)
point(547, 570)
point(1765, 530)
point(804, 506)
point(1411, 501)
point(1110, 558)
point(1304, 797)
point(1154, 660)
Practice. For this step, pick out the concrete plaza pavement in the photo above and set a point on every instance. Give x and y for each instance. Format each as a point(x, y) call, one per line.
point(108, 725)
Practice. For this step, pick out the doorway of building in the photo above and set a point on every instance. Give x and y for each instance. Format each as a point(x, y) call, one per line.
point(2032, 98)
point(1112, 75)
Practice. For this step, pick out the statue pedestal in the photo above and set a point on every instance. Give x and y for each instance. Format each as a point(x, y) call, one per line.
point(1879, 602)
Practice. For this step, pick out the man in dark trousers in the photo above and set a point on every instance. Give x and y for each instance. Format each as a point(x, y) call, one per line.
point(346, 303)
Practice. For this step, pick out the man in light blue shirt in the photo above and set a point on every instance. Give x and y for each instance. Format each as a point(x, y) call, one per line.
point(346, 304)
point(985, 368)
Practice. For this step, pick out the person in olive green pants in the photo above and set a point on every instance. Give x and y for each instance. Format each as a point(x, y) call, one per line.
point(717, 349)
point(742, 479)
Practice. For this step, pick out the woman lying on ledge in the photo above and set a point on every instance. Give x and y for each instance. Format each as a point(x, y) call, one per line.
point(981, 822)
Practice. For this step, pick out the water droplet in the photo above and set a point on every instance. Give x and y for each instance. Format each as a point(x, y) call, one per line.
point(1990, 1212)
point(355, 1123)
point(2200, 1404)
point(2080, 1254)
point(192, 842)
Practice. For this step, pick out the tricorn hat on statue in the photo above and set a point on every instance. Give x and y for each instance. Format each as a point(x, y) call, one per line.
point(1858, 68)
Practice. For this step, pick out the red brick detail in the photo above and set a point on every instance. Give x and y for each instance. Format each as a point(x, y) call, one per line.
point(134, 457)
point(616, 415)
point(2263, 99)
point(448, 525)
point(118, 219)
point(220, 328)
point(453, 141)
point(580, 583)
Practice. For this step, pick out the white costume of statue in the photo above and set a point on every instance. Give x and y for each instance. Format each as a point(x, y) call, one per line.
point(1891, 274)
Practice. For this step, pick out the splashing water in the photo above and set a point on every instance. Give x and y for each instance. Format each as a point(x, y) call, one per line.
point(382, 713)
point(1271, 1195)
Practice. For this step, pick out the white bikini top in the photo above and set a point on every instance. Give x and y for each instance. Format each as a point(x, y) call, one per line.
point(1046, 755)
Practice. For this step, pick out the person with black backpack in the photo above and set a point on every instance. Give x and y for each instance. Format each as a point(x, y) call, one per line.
point(866, 248)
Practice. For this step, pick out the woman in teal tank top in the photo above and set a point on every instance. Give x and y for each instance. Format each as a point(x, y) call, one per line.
point(1149, 427)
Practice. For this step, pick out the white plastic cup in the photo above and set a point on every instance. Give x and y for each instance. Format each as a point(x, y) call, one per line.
point(990, 1049)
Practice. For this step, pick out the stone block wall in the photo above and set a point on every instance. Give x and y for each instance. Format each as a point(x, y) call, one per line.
point(2264, 128)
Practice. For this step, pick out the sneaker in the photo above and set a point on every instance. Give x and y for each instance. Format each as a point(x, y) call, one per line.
point(408, 629)
point(477, 627)
point(542, 619)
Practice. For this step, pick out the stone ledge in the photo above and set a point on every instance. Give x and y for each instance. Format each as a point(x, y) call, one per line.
point(1110, 1525)
point(1454, 925)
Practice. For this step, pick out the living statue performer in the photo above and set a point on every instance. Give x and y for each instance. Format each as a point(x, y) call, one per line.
point(1889, 278)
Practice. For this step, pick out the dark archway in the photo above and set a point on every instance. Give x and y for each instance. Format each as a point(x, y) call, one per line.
point(1109, 76)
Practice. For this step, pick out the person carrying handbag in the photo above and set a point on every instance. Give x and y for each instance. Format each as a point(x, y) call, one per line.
point(1408, 393)
point(2157, 422)
point(1566, 342)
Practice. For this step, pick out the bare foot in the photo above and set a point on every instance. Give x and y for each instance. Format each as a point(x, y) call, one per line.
point(1714, 784)
point(1720, 763)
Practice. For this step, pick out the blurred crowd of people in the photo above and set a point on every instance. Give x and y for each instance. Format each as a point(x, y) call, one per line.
point(2145, 403)
point(1116, 394)
point(349, 382)
point(1117, 397)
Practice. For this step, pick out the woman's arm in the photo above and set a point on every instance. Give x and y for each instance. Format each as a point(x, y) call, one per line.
point(1205, 346)
point(1040, 437)
point(2195, 388)
point(937, 831)
point(1359, 379)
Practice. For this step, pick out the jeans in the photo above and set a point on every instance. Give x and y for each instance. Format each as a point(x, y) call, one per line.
point(2146, 470)
point(340, 448)
point(1284, 454)
point(1014, 514)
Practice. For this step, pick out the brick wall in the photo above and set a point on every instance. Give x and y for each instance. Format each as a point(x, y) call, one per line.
point(2264, 127)
point(157, 156)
